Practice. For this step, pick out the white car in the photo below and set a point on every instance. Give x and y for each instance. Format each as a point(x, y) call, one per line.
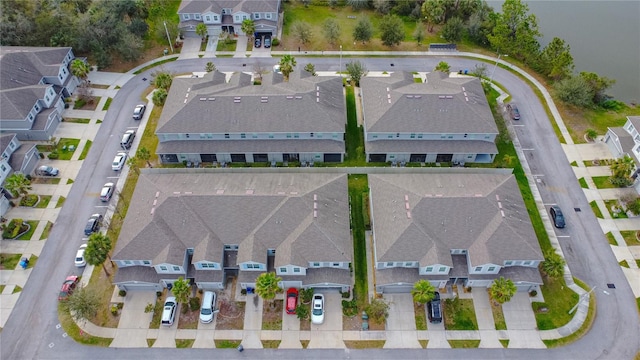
point(169, 311)
point(107, 192)
point(119, 161)
point(317, 310)
point(80, 261)
point(208, 306)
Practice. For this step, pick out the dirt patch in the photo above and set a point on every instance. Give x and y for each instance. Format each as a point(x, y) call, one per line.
point(351, 323)
point(231, 315)
point(150, 53)
point(272, 315)
point(188, 320)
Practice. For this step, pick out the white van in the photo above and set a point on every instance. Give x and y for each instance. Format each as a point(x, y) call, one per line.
point(208, 304)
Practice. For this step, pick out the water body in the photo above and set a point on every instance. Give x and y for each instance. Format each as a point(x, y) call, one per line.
point(604, 37)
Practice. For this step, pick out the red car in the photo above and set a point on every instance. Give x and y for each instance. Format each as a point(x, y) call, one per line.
point(67, 287)
point(292, 300)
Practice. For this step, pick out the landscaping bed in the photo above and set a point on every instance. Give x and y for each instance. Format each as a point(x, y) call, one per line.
point(272, 315)
point(231, 315)
point(459, 314)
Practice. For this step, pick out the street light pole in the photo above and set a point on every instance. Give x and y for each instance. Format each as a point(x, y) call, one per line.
point(340, 68)
point(496, 66)
point(168, 37)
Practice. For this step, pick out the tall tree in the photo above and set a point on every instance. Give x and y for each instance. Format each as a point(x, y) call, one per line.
point(144, 154)
point(555, 60)
point(452, 30)
point(331, 30)
point(159, 97)
point(181, 290)
point(209, 67)
point(358, 4)
point(423, 292)
point(391, 30)
point(598, 86)
point(302, 31)
point(363, 30)
point(80, 69)
point(382, 6)
point(574, 90)
point(516, 32)
point(356, 71)
point(419, 34)
point(201, 30)
point(553, 265)
point(267, 286)
point(378, 310)
point(248, 27)
point(18, 184)
point(98, 248)
point(433, 13)
point(83, 303)
point(287, 64)
point(502, 290)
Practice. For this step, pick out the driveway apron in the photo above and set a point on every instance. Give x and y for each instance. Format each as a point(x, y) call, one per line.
point(521, 323)
point(252, 322)
point(134, 322)
point(329, 334)
point(401, 325)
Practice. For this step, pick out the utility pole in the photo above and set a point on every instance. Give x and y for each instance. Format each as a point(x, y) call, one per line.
point(168, 37)
point(580, 300)
point(340, 69)
point(496, 66)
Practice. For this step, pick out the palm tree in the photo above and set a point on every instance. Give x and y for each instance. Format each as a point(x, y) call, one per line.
point(18, 184)
point(553, 265)
point(248, 27)
point(267, 286)
point(209, 67)
point(502, 290)
point(181, 290)
point(133, 164)
point(621, 170)
point(144, 154)
point(159, 97)
point(80, 69)
point(287, 63)
point(508, 159)
point(97, 252)
point(423, 292)
point(201, 29)
point(162, 80)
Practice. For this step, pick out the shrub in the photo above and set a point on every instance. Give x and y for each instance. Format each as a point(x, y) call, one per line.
point(306, 295)
point(194, 303)
point(634, 206)
point(54, 155)
point(349, 308)
point(346, 294)
point(243, 292)
point(29, 200)
point(114, 309)
point(14, 228)
point(275, 42)
point(149, 308)
point(122, 293)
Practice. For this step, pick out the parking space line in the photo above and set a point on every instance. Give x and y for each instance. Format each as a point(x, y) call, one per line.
point(562, 236)
point(528, 149)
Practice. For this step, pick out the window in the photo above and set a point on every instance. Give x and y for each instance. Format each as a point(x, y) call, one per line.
point(508, 263)
point(450, 137)
point(316, 264)
point(4, 168)
point(491, 268)
point(412, 136)
point(397, 135)
point(244, 17)
point(408, 264)
point(163, 268)
point(296, 136)
point(176, 268)
point(226, 136)
point(237, 18)
point(268, 15)
point(288, 136)
point(12, 145)
point(336, 264)
point(389, 136)
point(146, 262)
point(208, 266)
point(527, 262)
point(127, 262)
point(429, 269)
point(243, 136)
point(186, 17)
point(207, 18)
point(256, 16)
point(375, 136)
point(443, 136)
point(252, 266)
point(215, 17)
point(296, 270)
point(255, 136)
point(197, 16)
point(442, 269)
point(478, 268)
point(270, 136)
point(419, 136)
point(335, 136)
point(390, 264)
point(311, 134)
point(283, 270)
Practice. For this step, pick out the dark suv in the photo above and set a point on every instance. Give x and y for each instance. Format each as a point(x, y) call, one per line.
point(434, 309)
point(93, 224)
point(556, 215)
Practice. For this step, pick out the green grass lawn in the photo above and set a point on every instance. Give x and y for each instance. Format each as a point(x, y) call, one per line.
point(63, 148)
point(354, 134)
point(602, 182)
point(459, 314)
point(226, 344)
point(596, 209)
point(583, 183)
point(227, 46)
point(612, 239)
point(107, 104)
point(27, 236)
point(624, 263)
point(85, 150)
point(498, 316)
point(78, 121)
point(184, 343)
point(9, 261)
point(358, 185)
point(559, 299)
point(630, 238)
point(464, 344)
point(610, 204)
point(157, 63)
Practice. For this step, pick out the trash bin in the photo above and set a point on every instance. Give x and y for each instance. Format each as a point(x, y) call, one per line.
point(240, 348)
point(166, 52)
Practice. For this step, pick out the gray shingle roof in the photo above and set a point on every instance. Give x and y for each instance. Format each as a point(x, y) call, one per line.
point(441, 105)
point(17, 102)
point(248, 6)
point(22, 65)
point(208, 105)
point(173, 209)
point(451, 211)
point(626, 141)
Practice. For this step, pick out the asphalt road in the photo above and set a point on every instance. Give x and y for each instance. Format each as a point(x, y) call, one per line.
point(32, 331)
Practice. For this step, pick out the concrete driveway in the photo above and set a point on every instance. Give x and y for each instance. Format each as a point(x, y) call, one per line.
point(521, 323)
point(134, 322)
point(190, 48)
point(401, 325)
point(329, 334)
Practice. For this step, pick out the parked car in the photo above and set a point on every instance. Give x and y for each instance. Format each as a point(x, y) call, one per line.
point(317, 310)
point(93, 224)
point(127, 139)
point(68, 286)
point(292, 300)
point(513, 111)
point(258, 42)
point(557, 216)
point(267, 42)
point(80, 261)
point(119, 161)
point(138, 112)
point(45, 170)
point(169, 311)
point(107, 192)
point(208, 305)
point(434, 309)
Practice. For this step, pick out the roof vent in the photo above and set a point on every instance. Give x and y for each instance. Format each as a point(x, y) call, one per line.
point(203, 99)
point(264, 99)
point(212, 99)
point(298, 97)
point(289, 97)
